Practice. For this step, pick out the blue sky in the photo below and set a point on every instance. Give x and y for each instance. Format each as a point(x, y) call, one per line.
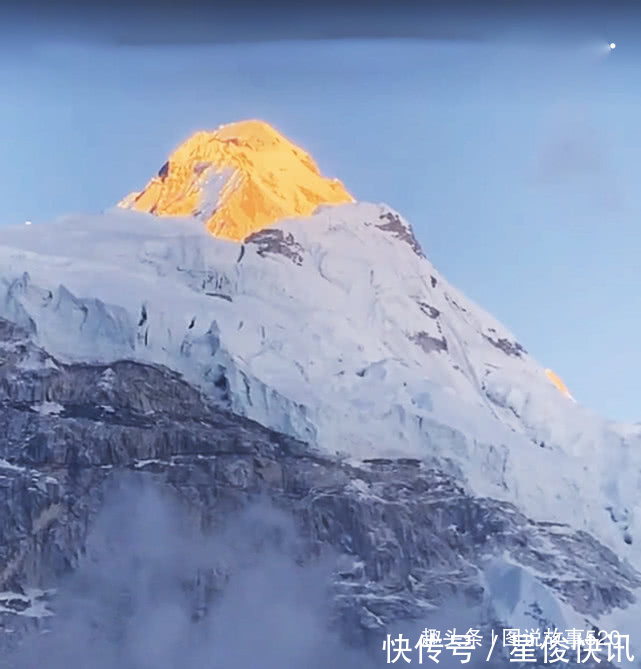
point(517, 158)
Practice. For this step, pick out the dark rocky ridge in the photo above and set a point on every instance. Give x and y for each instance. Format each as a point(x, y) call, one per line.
point(400, 230)
point(276, 242)
point(415, 537)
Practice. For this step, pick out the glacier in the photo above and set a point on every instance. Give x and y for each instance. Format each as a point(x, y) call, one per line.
point(338, 331)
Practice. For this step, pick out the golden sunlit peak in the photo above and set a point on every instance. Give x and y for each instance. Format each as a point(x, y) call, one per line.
point(252, 129)
point(238, 179)
point(556, 380)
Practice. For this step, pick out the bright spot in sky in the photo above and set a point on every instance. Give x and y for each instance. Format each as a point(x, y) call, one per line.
point(27, 222)
point(613, 45)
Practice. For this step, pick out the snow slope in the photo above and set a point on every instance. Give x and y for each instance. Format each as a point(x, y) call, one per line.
point(338, 331)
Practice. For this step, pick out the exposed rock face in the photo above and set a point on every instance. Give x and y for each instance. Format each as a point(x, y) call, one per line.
point(401, 230)
point(274, 241)
point(407, 537)
point(238, 180)
point(508, 347)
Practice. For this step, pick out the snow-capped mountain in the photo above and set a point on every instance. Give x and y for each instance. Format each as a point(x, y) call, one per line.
point(337, 330)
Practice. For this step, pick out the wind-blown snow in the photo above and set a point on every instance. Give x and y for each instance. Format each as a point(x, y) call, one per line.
point(334, 329)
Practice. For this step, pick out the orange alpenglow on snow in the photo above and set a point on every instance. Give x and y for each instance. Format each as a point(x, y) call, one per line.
point(558, 383)
point(238, 179)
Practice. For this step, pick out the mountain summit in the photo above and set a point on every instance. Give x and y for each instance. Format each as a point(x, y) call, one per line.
point(238, 180)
